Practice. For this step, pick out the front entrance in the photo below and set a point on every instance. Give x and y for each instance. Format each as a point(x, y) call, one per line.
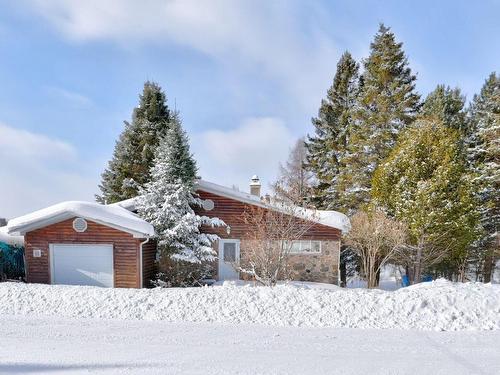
point(229, 256)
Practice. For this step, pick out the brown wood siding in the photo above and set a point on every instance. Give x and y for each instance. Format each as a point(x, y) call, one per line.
point(125, 250)
point(149, 268)
point(231, 211)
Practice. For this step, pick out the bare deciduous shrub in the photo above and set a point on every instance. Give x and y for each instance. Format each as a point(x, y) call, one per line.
point(267, 245)
point(375, 238)
point(420, 257)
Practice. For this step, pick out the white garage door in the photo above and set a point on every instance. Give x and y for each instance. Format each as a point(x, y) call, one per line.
point(81, 264)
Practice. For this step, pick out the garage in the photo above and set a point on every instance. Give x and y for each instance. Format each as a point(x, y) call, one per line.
point(81, 264)
point(86, 243)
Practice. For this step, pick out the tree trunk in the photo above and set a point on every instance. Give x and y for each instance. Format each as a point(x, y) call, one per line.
point(343, 274)
point(377, 274)
point(461, 275)
point(488, 267)
point(417, 275)
point(371, 273)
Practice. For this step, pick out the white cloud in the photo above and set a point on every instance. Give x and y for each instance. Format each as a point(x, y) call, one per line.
point(270, 37)
point(72, 97)
point(37, 171)
point(233, 156)
point(17, 145)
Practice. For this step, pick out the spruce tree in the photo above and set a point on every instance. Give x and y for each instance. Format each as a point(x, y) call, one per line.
point(326, 148)
point(134, 152)
point(387, 103)
point(167, 200)
point(483, 144)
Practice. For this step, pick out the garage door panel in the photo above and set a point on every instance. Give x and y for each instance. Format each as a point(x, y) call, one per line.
point(82, 264)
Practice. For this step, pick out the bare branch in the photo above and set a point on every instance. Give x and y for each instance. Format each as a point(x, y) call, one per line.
point(375, 238)
point(269, 241)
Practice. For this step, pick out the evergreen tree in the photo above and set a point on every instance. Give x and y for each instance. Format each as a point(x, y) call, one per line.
point(166, 201)
point(425, 184)
point(387, 103)
point(134, 152)
point(446, 105)
point(326, 149)
point(484, 159)
point(294, 181)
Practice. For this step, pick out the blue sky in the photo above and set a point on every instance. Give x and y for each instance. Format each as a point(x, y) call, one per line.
point(247, 77)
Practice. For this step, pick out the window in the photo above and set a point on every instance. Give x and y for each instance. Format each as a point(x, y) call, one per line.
point(229, 252)
point(305, 247)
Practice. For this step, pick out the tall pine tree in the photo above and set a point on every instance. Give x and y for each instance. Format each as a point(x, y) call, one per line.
point(326, 148)
point(387, 103)
point(484, 159)
point(167, 201)
point(134, 152)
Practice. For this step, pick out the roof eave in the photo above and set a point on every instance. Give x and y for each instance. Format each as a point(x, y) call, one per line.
point(28, 227)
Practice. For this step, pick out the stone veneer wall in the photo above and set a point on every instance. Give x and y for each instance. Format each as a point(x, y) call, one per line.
point(321, 268)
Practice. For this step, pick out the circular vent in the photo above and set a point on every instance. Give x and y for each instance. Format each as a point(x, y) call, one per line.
point(80, 225)
point(208, 205)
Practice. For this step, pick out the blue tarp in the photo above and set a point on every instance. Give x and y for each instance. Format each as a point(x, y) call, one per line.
point(405, 281)
point(11, 261)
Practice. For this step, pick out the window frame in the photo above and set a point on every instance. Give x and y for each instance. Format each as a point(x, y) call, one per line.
point(310, 243)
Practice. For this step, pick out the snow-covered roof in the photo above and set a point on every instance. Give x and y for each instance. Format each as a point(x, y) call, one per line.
point(332, 219)
point(335, 219)
point(128, 204)
point(228, 192)
point(111, 215)
point(329, 218)
point(9, 238)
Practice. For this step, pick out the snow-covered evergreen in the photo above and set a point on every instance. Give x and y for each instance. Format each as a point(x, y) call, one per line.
point(327, 147)
point(483, 144)
point(167, 201)
point(387, 103)
point(425, 183)
point(446, 105)
point(128, 170)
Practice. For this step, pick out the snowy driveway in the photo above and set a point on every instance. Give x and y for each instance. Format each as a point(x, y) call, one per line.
point(51, 345)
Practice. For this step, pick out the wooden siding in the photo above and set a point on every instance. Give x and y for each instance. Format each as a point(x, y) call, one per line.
point(149, 268)
point(125, 250)
point(231, 211)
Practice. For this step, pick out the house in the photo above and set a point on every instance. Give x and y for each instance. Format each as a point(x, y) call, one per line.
point(86, 243)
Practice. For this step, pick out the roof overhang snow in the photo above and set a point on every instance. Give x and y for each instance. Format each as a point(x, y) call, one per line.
point(332, 219)
point(113, 216)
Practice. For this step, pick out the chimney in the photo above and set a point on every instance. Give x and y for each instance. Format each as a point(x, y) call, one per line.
point(255, 186)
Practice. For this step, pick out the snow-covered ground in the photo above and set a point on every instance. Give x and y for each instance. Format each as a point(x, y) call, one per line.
point(302, 328)
point(49, 345)
point(439, 305)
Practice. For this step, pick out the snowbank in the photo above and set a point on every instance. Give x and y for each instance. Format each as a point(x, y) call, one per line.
point(440, 305)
